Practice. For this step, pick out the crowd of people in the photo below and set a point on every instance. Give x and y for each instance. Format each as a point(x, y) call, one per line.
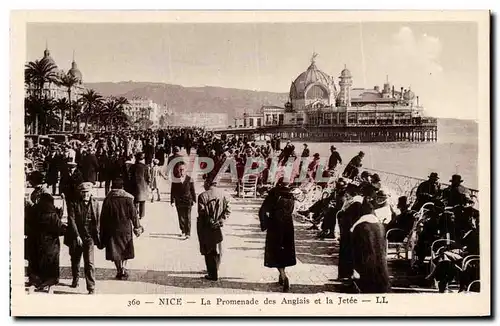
point(129, 165)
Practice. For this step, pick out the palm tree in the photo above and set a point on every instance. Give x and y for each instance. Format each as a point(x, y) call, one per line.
point(36, 74)
point(69, 81)
point(113, 112)
point(90, 101)
point(63, 105)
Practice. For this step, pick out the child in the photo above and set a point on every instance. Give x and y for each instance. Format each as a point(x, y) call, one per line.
point(155, 173)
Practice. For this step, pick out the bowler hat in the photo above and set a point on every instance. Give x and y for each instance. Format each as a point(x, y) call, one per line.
point(456, 178)
point(85, 186)
point(433, 175)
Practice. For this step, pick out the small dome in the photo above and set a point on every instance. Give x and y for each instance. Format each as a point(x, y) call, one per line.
point(47, 57)
point(408, 95)
point(345, 73)
point(75, 72)
point(310, 76)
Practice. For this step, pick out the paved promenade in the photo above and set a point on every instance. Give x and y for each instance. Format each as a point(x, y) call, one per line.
point(165, 263)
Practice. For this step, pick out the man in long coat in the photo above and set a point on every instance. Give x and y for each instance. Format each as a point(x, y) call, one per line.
point(71, 178)
point(118, 221)
point(213, 210)
point(90, 166)
point(139, 181)
point(83, 233)
point(52, 166)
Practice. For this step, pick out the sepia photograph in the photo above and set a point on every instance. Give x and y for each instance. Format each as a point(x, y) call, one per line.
point(250, 163)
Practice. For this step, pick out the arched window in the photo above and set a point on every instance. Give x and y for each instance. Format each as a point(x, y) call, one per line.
point(316, 92)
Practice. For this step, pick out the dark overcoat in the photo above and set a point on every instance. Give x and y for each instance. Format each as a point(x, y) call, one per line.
point(118, 216)
point(90, 167)
point(52, 166)
point(370, 255)
point(349, 213)
point(76, 223)
point(139, 181)
point(44, 226)
point(69, 184)
point(275, 216)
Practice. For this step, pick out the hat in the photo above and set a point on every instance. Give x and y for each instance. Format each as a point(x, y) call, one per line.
point(85, 186)
point(375, 177)
point(72, 163)
point(361, 153)
point(456, 178)
point(433, 175)
point(365, 174)
point(333, 147)
point(316, 155)
point(402, 202)
point(139, 156)
point(381, 197)
point(305, 144)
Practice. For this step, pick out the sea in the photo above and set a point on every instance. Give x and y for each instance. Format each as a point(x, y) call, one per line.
point(455, 152)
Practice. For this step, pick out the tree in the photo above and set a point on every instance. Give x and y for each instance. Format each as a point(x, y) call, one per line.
point(62, 105)
point(37, 74)
point(91, 102)
point(113, 113)
point(69, 81)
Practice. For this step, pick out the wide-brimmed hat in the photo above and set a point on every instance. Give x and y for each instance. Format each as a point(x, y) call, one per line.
point(316, 155)
point(456, 178)
point(305, 144)
point(85, 186)
point(333, 147)
point(433, 175)
point(71, 163)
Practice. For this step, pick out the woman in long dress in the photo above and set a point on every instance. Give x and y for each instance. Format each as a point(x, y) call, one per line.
point(44, 229)
point(276, 217)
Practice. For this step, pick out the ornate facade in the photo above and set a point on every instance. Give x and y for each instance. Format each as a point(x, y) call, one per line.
point(55, 91)
point(316, 99)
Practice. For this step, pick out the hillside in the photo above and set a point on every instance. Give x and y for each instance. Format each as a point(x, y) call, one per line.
point(193, 99)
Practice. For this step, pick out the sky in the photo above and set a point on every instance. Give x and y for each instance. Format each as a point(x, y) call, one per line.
point(437, 60)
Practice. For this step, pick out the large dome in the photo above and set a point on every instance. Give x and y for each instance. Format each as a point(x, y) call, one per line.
point(310, 76)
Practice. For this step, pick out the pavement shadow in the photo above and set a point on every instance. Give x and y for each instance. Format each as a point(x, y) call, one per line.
point(174, 279)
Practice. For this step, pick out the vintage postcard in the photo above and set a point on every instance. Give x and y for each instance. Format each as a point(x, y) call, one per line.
point(188, 163)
